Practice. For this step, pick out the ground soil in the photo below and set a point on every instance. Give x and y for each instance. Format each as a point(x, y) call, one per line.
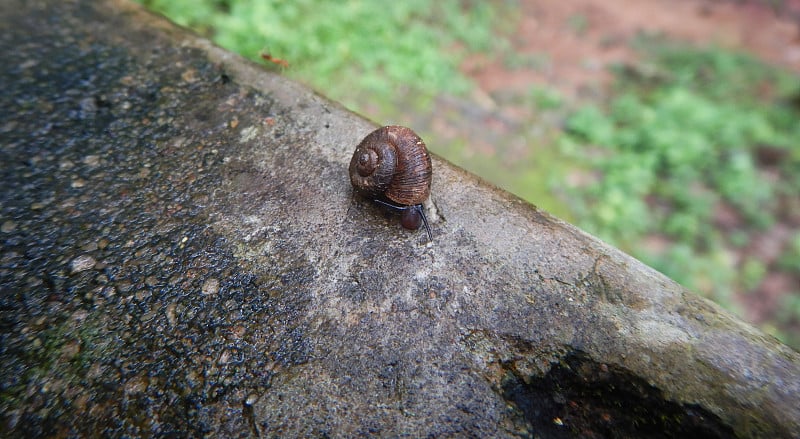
point(581, 39)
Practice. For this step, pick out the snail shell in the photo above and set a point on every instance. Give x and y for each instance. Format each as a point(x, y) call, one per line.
point(392, 162)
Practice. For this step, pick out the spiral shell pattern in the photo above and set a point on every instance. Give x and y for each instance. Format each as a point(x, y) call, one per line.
point(392, 162)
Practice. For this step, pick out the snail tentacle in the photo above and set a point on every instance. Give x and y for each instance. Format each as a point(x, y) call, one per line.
point(411, 216)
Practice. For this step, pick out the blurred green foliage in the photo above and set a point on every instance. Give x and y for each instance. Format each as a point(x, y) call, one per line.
point(678, 142)
point(365, 54)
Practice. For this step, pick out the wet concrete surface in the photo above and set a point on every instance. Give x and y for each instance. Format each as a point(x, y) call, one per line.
point(182, 254)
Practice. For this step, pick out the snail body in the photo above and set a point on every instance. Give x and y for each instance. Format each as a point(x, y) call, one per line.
point(392, 166)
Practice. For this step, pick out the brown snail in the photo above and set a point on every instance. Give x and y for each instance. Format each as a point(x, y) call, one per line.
point(392, 166)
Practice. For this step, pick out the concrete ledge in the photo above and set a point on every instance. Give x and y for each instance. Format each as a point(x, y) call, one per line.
point(182, 254)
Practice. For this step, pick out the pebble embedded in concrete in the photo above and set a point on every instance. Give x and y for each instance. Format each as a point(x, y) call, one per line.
point(82, 263)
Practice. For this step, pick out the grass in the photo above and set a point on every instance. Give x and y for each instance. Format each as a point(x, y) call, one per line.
point(679, 143)
point(649, 170)
point(365, 55)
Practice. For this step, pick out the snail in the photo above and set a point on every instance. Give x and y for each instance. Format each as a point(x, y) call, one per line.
point(392, 166)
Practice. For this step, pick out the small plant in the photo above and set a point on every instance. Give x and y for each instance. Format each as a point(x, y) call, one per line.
point(579, 23)
point(790, 259)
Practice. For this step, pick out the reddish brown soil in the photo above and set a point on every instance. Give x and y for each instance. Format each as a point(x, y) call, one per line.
point(577, 41)
point(581, 38)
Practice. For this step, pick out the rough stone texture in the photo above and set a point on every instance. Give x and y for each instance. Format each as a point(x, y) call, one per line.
point(182, 254)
